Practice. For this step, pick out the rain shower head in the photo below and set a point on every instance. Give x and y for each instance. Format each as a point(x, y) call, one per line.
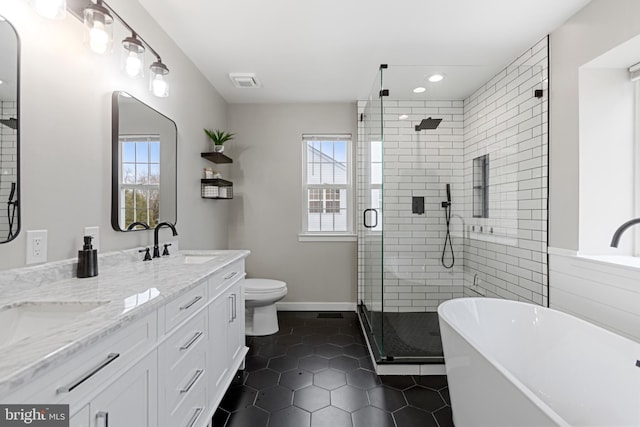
point(12, 123)
point(428, 123)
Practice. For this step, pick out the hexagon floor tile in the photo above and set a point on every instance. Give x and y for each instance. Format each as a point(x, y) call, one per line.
point(316, 372)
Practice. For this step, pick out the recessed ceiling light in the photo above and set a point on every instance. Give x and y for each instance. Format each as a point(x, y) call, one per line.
point(436, 78)
point(1, 82)
point(403, 116)
point(419, 89)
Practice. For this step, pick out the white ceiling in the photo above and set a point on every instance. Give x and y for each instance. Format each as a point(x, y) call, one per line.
point(330, 50)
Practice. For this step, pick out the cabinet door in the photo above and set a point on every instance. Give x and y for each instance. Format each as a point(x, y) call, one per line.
point(131, 401)
point(218, 359)
point(81, 418)
point(235, 333)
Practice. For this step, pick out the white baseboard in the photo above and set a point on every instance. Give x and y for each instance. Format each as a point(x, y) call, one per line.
point(316, 306)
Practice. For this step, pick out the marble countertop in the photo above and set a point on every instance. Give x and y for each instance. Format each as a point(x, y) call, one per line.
point(126, 288)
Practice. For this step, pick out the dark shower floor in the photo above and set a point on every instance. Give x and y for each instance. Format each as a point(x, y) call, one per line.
point(406, 337)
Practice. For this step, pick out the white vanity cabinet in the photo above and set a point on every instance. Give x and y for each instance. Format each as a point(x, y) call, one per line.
point(168, 368)
point(130, 401)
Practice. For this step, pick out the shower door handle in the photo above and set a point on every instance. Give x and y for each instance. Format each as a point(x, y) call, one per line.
point(364, 218)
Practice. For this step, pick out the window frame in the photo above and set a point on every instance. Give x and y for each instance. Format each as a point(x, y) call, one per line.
point(349, 233)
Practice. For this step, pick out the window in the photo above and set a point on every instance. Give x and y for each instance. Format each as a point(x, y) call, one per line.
point(327, 184)
point(140, 185)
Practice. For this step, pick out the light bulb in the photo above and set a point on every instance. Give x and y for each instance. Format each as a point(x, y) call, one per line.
point(159, 86)
point(133, 65)
point(98, 38)
point(51, 9)
point(436, 78)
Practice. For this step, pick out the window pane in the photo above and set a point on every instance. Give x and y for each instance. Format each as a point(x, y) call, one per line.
point(154, 207)
point(376, 173)
point(142, 174)
point(327, 151)
point(155, 152)
point(340, 173)
point(340, 151)
point(142, 152)
point(128, 173)
point(154, 173)
point(129, 152)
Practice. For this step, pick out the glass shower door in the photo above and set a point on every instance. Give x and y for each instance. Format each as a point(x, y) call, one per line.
point(370, 224)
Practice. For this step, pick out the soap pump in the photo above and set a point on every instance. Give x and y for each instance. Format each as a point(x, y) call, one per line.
point(87, 259)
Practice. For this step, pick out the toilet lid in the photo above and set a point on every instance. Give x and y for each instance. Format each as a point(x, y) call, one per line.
point(263, 285)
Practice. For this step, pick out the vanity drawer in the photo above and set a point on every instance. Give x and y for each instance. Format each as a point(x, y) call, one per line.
point(185, 305)
point(191, 411)
point(79, 379)
point(188, 338)
point(223, 278)
point(185, 380)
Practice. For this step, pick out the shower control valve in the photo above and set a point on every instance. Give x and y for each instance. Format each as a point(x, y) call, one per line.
point(446, 204)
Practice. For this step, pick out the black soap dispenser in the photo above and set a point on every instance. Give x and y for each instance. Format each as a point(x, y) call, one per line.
point(87, 259)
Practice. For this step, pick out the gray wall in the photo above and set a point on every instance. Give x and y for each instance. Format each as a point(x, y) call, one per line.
point(600, 26)
point(265, 214)
point(66, 134)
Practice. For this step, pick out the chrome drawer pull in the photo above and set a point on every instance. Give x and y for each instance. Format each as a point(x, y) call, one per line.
point(192, 382)
point(230, 275)
point(235, 306)
point(231, 308)
point(190, 303)
point(191, 341)
point(91, 372)
point(105, 415)
point(195, 417)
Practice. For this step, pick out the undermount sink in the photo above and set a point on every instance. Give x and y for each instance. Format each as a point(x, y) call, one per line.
point(198, 259)
point(27, 319)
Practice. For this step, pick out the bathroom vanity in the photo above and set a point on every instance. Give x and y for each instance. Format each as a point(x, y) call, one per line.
point(143, 344)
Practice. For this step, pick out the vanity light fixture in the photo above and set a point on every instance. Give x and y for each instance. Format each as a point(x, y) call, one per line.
point(419, 89)
point(51, 9)
point(158, 83)
point(436, 78)
point(99, 25)
point(98, 17)
point(133, 56)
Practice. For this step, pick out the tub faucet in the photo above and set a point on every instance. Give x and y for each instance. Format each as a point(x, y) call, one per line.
point(622, 229)
point(156, 248)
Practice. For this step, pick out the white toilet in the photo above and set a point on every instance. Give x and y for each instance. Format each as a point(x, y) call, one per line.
point(260, 297)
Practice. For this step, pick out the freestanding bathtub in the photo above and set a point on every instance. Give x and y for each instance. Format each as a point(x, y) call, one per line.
point(515, 364)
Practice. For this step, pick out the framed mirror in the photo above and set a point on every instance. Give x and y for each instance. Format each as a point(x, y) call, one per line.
point(144, 165)
point(9, 132)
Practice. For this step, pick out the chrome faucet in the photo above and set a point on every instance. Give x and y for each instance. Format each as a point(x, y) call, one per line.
point(622, 229)
point(156, 248)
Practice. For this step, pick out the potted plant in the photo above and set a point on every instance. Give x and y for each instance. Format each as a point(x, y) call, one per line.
point(219, 137)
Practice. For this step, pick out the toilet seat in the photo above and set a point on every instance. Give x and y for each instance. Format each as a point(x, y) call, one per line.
point(263, 286)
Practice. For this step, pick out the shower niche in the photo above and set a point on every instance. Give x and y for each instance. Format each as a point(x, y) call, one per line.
point(480, 187)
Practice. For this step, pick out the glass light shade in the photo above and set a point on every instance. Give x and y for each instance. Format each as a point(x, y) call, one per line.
point(133, 57)
point(158, 83)
point(51, 9)
point(99, 25)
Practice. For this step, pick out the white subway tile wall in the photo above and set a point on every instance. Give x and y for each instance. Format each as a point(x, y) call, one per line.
point(505, 120)
point(505, 253)
point(8, 162)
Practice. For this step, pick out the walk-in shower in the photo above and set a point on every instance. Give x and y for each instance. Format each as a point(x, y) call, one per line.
point(418, 148)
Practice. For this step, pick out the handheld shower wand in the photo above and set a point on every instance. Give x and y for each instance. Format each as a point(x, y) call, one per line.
point(447, 239)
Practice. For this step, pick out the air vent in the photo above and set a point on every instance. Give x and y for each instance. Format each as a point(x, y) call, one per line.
point(244, 80)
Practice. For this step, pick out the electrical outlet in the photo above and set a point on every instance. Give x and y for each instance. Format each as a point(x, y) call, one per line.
point(36, 246)
point(95, 233)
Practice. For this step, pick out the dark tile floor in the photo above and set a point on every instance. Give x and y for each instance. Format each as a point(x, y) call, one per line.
point(316, 372)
